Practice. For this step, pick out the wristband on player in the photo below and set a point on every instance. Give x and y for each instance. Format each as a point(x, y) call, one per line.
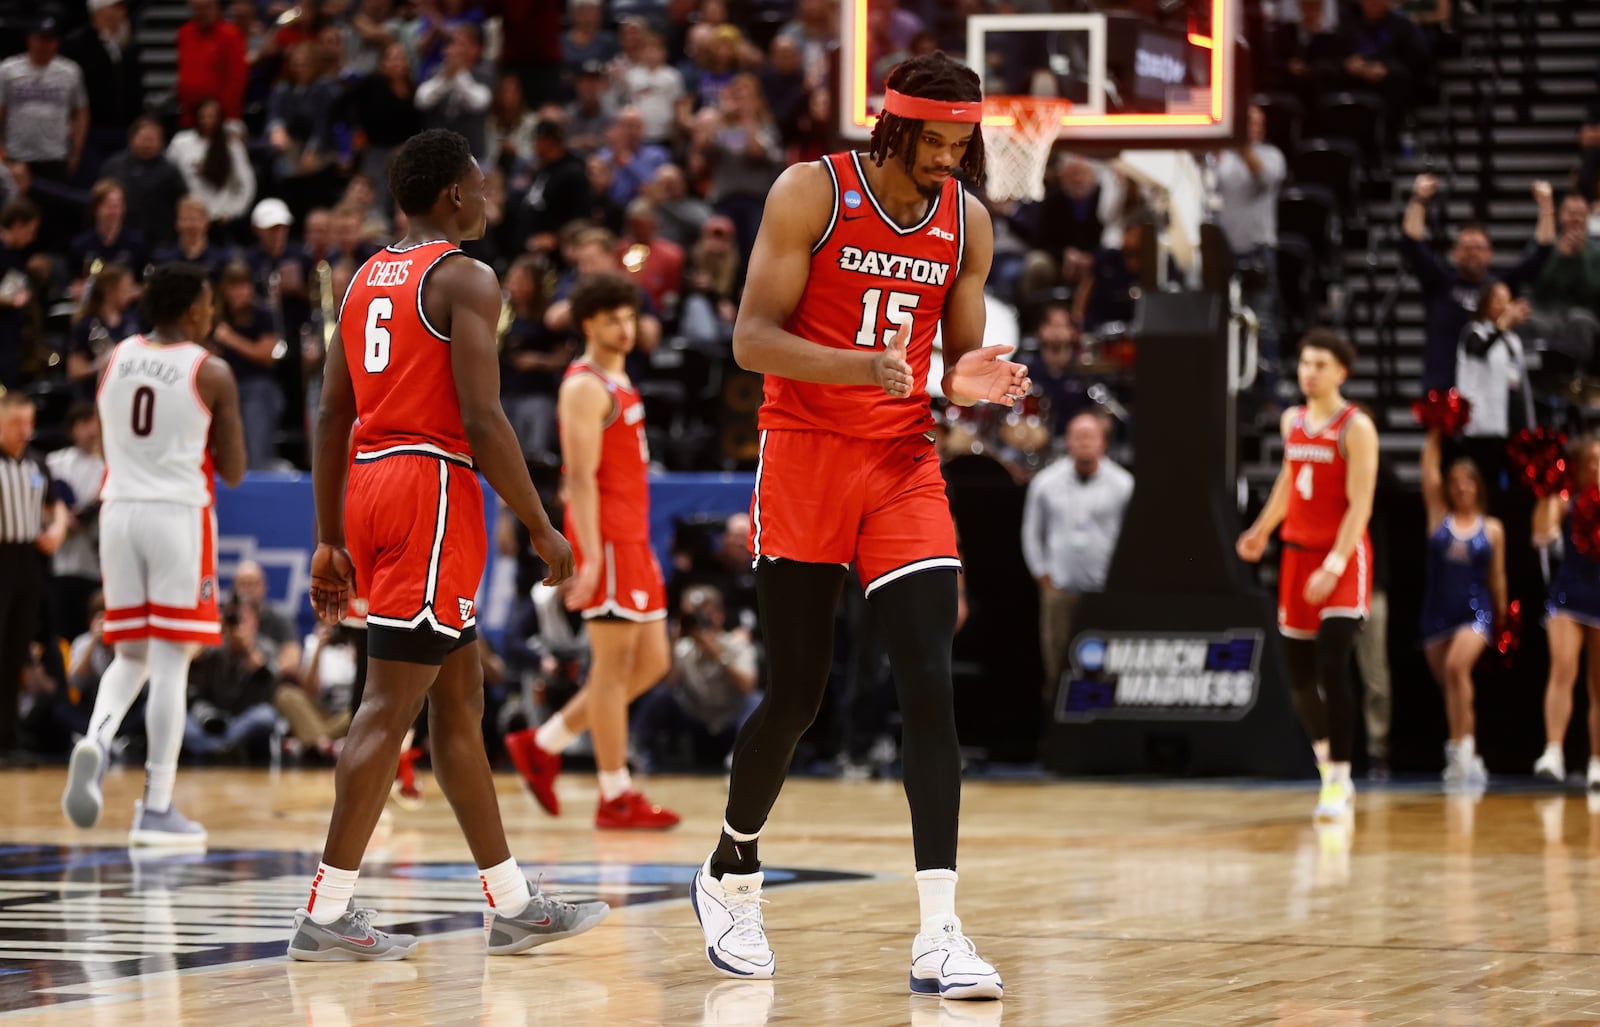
point(1335, 564)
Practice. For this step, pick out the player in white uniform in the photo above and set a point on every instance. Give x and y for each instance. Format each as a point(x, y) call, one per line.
point(169, 414)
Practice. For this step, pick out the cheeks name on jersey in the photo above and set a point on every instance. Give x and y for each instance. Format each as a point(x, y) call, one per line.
point(633, 414)
point(388, 273)
point(1305, 454)
point(893, 265)
point(156, 370)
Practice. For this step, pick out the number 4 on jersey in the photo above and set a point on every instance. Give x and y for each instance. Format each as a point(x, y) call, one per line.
point(900, 310)
point(1302, 482)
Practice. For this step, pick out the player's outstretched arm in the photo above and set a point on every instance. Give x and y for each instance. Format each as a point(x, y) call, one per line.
point(472, 293)
point(796, 215)
point(974, 373)
point(220, 393)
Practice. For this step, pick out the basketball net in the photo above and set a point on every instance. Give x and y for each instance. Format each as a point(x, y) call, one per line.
point(1018, 132)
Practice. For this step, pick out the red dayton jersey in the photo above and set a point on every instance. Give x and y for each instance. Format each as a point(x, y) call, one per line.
point(868, 276)
point(1317, 475)
point(624, 461)
point(399, 363)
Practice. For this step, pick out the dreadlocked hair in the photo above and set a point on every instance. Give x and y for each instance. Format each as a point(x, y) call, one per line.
point(934, 76)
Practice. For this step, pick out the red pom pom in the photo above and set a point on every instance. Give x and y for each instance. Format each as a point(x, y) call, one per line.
point(1444, 411)
point(1585, 519)
point(1511, 635)
point(1539, 459)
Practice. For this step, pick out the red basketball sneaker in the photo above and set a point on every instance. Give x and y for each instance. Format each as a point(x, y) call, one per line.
point(539, 769)
point(405, 791)
point(631, 811)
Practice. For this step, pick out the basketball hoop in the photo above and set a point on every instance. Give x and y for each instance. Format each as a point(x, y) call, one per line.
point(1018, 132)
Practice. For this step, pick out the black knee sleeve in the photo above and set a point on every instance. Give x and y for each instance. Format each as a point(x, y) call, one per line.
point(1335, 649)
point(1303, 690)
point(797, 602)
point(916, 616)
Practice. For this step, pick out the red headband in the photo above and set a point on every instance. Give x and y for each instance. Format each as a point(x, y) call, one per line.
point(915, 108)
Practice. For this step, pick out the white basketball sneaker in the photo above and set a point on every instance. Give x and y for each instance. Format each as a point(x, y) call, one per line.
point(945, 964)
point(1552, 766)
point(1336, 800)
point(729, 912)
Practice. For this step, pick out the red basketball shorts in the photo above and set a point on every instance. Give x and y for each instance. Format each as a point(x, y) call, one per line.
point(879, 504)
point(158, 562)
point(414, 527)
point(1351, 597)
point(630, 581)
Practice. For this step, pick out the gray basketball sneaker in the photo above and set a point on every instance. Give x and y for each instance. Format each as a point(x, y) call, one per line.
point(81, 801)
point(351, 937)
point(545, 920)
point(167, 828)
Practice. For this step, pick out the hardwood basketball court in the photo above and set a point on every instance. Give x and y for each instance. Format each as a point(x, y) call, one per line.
point(1101, 904)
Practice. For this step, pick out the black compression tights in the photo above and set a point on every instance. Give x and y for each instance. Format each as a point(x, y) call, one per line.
point(1321, 686)
point(917, 618)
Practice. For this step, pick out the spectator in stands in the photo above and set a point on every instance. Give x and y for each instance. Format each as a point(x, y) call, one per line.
point(349, 242)
point(1566, 294)
point(593, 250)
point(152, 183)
point(376, 29)
point(1452, 292)
point(193, 244)
point(104, 318)
point(655, 262)
point(604, 210)
point(245, 336)
point(1069, 223)
point(19, 224)
point(727, 570)
point(530, 47)
point(1490, 366)
point(1385, 54)
point(679, 214)
point(815, 29)
point(298, 126)
point(211, 60)
point(634, 159)
point(250, 591)
point(1249, 179)
point(783, 85)
point(44, 106)
point(231, 690)
point(1301, 39)
point(113, 73)
point(77, 471)
point(653, 88)
point(382, 109)
point(1111, 288)
point(109, 239)
point(509, 127)
point(89, 656)
point(214, 164)
point(711, 285)
point(712, 688)
point(532, 358)
point(592, 110)
point(716, 63)
point(1070, 523)
point(458, 95)
point(740, 146)
point(1054, 367)
point(277, 264)
point(318, 706)
point(586, 40)
point(560, 189)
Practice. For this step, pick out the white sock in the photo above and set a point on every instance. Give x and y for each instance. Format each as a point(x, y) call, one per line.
point(158, 782)
point(740, 836)
point(1594, 761)
point(1339, 772)
point(330, 893)
point(119, 687)
point(1553, 750)
point(505, 888)
point(936, 892)
point(614, 783)
point(554, 735)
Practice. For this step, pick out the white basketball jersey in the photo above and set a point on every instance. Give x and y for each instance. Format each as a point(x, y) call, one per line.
point(154, 427)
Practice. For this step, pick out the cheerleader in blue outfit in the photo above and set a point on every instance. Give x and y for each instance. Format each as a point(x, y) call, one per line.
point(1572, 619)
point(1465, 599)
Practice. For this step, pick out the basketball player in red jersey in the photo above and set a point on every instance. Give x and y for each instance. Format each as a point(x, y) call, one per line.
point(618, 583)
point(858, 259)
point(414, 371)
point(1323, 499)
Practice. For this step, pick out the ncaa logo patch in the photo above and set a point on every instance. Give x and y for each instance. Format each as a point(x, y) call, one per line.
point(852, 199)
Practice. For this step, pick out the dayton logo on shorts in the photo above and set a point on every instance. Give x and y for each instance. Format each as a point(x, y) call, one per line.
point(640, 597)
point(208, 586)
point(465, 606)
point(1136, 675)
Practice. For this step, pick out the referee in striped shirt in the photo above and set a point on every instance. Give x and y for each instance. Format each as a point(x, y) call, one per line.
point(32, 524)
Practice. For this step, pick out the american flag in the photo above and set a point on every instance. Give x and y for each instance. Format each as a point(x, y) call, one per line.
point(1189, 100)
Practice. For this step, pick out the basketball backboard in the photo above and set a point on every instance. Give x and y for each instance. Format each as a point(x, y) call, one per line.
point(1134, 79)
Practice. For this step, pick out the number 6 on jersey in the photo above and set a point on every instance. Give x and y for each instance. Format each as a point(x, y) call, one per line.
point(375, 356)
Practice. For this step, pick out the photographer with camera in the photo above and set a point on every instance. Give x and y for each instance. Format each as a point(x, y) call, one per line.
point(711, 689)
point(231, 689)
